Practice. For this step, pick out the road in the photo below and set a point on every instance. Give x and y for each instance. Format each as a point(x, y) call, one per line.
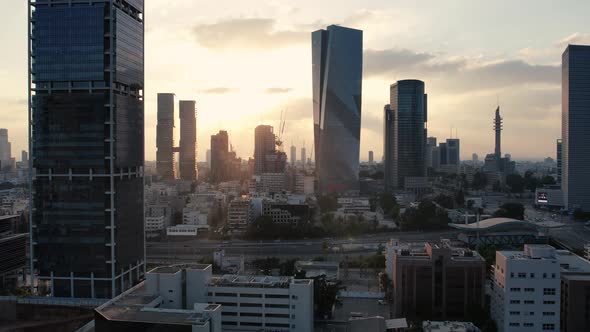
point(307, 248)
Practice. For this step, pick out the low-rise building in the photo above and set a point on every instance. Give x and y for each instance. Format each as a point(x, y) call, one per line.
point(315, 269)
point(182, 230)
point(440, 281)
point(154, 224)
point(526, 290)
point(447, 326)
point(239, 214)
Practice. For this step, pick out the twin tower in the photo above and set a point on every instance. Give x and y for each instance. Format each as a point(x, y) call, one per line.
point(187, 147)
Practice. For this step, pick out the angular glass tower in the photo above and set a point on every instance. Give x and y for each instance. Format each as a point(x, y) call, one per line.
point(408, 105)
point(86, 136)
point(337, 70)
point(575, 145)
point(188, 140)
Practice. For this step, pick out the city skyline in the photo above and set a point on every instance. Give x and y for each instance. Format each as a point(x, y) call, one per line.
point(450, 69)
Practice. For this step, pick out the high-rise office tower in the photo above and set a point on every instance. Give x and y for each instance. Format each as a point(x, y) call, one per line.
point(430, 146)
point(575, 103)
point(453, 151)
point(188, 140)
point(5, 150)
point(408, 105)
point(303, 155)
point(444, 155)
point(264, 144)
point(371, 157)
point(165, 136)
point(219, 156)
point(293, 154)
point(337, 67)
point(24, 157)
point(474, 158)
point(87, 145)
point(389, 149)
point(208, 158)
point(559, 160)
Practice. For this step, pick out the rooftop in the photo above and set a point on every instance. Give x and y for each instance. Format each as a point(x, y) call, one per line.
point(231, 280)
point(503, 224)
point(136, 305)
point(172, 269)
point(572, 263)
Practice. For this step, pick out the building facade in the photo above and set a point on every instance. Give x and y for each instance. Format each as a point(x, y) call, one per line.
point(337, 67)
point(87, 145)
point(575, 126)
point(5, 150)
point(219, 157)
point(188, 140)
point(264, 148)
point(408, 105)
point(165, 136)
point(526, 290)
point(438, 282)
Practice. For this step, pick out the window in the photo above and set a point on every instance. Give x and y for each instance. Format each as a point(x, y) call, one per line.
point(250, 295)
point(229, 323)
point(529, 290)
point(283, 306)
point(250, 324)
point(514, 313)
point(511, 274)
point(277, 315)
point(250, 314)
point(553, 275)
point(170, 291)
point(548, 313)
point(227, 313)
point(227, 304)
point(514, 324)
point(252, 305)
point(227, 294)
point(528, 324)
point(548, 327)
point(515, 289)
point(294, 297)
point(532, 275)
point(514, 301)
point(276, 325)
point(548, 291)
point(529, 302)
point(548, 302)
point(276, 296)
point(522, 275)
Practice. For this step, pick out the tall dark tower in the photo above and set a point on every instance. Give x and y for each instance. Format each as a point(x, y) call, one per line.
point(165, 136)
point(86, 138)
point(188, 140)
point(498, 130)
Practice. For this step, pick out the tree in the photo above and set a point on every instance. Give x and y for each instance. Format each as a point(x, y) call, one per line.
point(328, 203)
point(580, 214)
point(445, 201)
point(287, 268)
point(460, 198)
point(426, 216)
point(480, 181)
point(389, 204)
point(515, 182)
point(325, 296)
point(548, 180)
point(510, 210)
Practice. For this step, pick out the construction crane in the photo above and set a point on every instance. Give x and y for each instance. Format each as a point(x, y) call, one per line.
point(281, 130)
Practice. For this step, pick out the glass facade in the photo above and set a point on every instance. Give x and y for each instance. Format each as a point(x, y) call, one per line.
point(188, 140)
point(87, 134)
point(337, 65)
point(165, 136)
point(575, 145)
point(409, 106)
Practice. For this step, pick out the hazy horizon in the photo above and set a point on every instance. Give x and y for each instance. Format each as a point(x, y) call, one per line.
point(244, 62)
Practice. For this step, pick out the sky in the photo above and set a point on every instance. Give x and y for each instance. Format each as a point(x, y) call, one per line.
point(246, 61)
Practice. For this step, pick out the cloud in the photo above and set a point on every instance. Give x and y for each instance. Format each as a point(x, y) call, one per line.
point(458, 74)
point(277, 90)
point(576, 38)
point(219, 90)
point(246, 33)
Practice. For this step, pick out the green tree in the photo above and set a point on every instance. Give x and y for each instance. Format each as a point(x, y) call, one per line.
point(548, 180)
point(515, 182)
point(510, 210)
point(389, 204)
point(328, 203)
point(426, 217)
point(480, 181)
point(325, 296)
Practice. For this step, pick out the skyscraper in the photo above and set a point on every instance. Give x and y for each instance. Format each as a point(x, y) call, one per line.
point(371, 157)
point(219, 156)
point(559, 160)
point(264, 144)
point(408, 105)
point(389, 145)
point(474, 158)
point(575, 103)
point(87, 145)
point(293, 156)
point(430, 146)
point(165, 136)
point(498, 129)
point(5, 150)
point(303, 155)
point(453, 151)
point(188, 140)
point(208, 158)
point(337, 66)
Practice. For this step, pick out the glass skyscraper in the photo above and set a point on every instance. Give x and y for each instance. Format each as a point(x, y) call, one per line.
point(575, 145)
point(405, 156)
point(165, 136)
point(337, 68)
point(188, 140)
point(86, 136)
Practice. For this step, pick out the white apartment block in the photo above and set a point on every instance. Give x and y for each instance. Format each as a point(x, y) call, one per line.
point(248, 303)
point(526, 290)
point(154, 224)
point(354, 205)
point(193, 216)
point(239, 212)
